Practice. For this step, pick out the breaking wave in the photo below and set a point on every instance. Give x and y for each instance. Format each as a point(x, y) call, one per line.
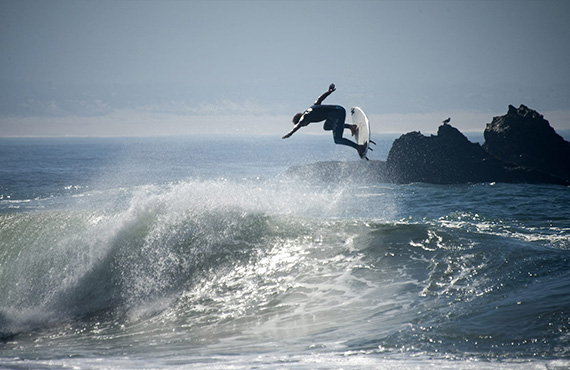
point(252, 263)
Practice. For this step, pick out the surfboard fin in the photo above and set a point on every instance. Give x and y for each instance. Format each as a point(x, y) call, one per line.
point(372, 143)
point(369, 148)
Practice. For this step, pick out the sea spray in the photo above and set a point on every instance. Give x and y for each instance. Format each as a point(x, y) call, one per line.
point(90, 259)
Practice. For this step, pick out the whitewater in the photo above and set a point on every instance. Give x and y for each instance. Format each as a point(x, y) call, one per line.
point(201, 253)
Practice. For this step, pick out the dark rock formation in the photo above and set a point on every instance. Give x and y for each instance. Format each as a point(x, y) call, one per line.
point(450, 158)
point(447, 158)
point(525, 138)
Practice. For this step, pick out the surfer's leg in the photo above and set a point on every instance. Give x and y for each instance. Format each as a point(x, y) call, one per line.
point(342, 141)
point(338, 139)
point(336, 119)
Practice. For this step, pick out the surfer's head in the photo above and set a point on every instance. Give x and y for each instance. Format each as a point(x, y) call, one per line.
point(297, 117)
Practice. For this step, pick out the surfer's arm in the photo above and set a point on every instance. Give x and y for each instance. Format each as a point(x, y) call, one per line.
point(324, 95)
point(295, 129)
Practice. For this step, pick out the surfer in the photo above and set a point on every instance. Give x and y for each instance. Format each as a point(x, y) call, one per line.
point(333, 115)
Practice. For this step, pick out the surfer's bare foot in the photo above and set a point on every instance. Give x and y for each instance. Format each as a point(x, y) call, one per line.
point(353, 129)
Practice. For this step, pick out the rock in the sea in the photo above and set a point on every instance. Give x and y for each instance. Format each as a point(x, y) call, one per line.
point(525, 138)
point(447, 158)
point(450, 158)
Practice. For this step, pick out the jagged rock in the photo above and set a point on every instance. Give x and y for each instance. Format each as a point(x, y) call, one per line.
point(450, 158)
point(447, 158)
point(525, 138)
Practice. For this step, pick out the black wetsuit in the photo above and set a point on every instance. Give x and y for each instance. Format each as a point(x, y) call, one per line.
point(334, 116)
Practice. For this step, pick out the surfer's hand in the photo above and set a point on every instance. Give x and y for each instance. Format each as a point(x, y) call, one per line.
point(332, 88)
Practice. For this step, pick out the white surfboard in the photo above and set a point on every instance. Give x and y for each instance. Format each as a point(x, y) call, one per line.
point(363, 134)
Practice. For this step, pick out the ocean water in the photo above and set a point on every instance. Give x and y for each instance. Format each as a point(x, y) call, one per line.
point(201, 253)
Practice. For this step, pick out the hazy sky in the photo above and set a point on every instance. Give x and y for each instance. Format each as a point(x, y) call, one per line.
point(107, 68)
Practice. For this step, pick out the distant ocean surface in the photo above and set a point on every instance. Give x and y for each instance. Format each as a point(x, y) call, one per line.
point(201, 253)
